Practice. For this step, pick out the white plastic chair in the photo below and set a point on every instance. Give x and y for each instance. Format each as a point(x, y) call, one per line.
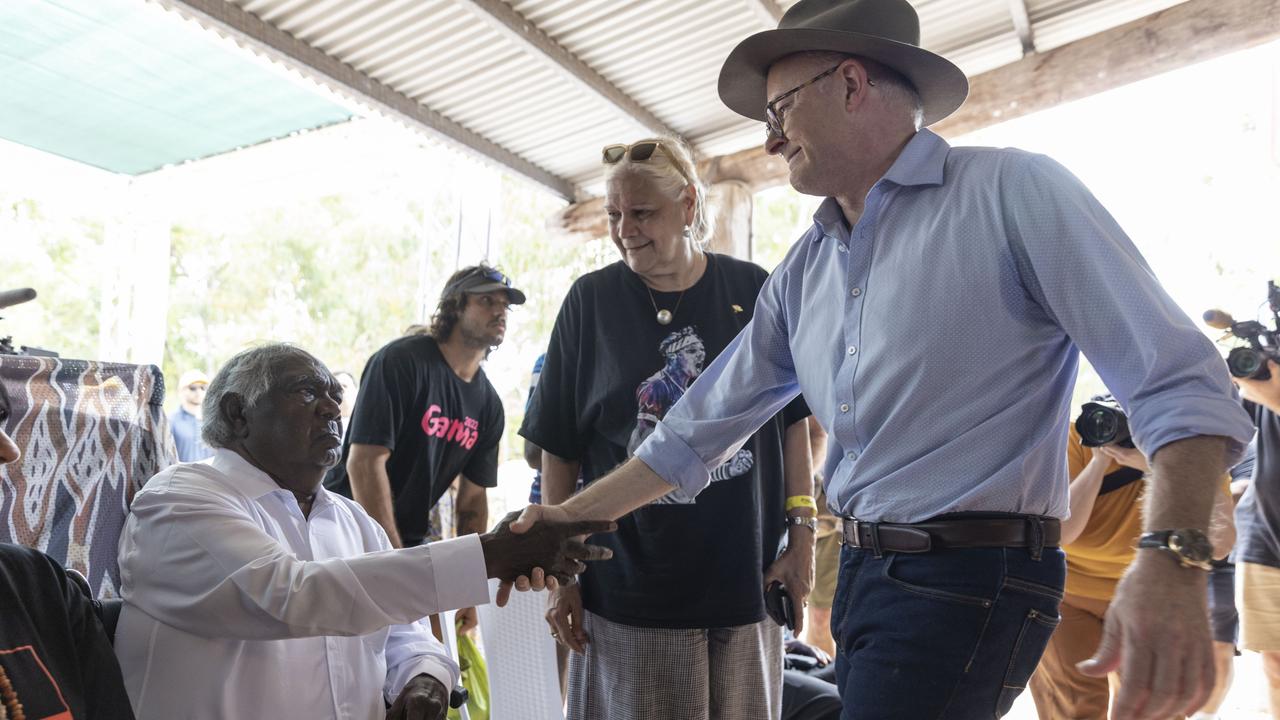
point(523, 682)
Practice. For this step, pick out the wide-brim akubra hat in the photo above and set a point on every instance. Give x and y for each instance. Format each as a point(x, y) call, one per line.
point(887, 31)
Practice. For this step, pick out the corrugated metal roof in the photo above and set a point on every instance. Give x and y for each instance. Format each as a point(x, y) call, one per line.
point(664, 54)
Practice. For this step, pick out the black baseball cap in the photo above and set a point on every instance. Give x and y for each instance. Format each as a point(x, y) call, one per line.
point(480, 280)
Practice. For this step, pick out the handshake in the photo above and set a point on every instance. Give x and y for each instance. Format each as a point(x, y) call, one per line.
point(539, 548)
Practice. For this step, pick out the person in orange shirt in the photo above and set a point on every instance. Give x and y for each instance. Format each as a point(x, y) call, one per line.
point(1100, 539)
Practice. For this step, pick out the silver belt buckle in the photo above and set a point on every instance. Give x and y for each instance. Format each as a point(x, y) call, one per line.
point(857, 534)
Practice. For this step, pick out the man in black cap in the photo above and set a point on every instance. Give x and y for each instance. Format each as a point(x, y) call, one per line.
point(426, 414)
point(945, 451)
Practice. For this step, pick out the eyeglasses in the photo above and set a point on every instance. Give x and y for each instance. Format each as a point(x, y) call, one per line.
point(640, 152)
point(773, 117)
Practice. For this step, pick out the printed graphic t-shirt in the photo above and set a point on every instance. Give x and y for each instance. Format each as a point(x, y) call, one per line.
point(611, 372)
point(53, 651)
point(435, 424)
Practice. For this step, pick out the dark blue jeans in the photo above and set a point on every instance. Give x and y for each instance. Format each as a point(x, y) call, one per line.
point(951, 634)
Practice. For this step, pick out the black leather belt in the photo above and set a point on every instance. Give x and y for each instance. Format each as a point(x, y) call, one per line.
point(941, 534)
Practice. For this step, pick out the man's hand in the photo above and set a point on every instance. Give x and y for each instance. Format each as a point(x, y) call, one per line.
point(794, 569)
point(564, 615)
point(466, 621)
point(1263, 392)
point(423, 698)
point(1157, 635)
point(1237, 490)
point(800, 647)
point(1129, 457)
point(540, 550)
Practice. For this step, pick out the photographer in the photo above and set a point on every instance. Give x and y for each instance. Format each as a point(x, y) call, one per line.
point(1258, 515)
point(1099, 538)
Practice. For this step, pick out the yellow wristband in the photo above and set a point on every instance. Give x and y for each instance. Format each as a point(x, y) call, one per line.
point(801, 501)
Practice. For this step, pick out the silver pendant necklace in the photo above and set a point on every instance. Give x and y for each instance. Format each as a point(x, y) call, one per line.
point(664, 316)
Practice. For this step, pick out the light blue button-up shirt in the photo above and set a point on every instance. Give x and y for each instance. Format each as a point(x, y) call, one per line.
point(937, 342)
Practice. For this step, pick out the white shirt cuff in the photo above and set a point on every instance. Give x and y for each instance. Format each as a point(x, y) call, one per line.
point(447, 674)
point(460, 577)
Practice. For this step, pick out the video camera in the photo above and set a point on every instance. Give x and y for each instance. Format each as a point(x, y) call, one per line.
point(9, 298)
point(1102, 422)
point(1264, 344)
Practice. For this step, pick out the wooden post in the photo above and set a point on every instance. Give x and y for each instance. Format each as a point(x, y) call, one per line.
point(731, 203)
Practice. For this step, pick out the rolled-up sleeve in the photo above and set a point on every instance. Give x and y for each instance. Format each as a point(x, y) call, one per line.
point(1086, 273)
point(747, 384)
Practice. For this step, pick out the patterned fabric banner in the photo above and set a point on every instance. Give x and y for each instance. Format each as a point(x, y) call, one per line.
point(91, 433)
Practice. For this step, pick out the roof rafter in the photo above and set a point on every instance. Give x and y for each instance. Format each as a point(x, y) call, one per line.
point(249, 30)
point(1022, 24)
point(1187, 33)
point(506, 20)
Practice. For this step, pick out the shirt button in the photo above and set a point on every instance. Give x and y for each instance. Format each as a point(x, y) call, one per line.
point(844, 407)
point(842, 248)
point(855, 292)
point(852, 350)
point(852, 456)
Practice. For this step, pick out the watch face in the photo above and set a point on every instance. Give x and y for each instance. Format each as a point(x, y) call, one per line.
point(1191, 544)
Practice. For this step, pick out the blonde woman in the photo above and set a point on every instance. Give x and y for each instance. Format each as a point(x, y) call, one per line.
point(674, 626)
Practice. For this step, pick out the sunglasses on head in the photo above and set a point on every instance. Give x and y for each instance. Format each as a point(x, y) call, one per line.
point(496, 276)
point(640, 152)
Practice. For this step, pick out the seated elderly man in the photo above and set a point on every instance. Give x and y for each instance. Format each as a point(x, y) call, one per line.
point(252, 592)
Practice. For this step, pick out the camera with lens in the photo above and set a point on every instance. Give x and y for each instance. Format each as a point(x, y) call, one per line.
point(1250, 361)
point(1102, 422)
point(9, 298)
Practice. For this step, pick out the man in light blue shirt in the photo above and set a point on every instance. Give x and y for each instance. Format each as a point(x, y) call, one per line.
point(933, 317)
point(184, 422)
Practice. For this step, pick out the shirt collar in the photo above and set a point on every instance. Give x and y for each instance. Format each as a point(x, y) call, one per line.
point(921, 163)
point(830, 219)
point(253, 482)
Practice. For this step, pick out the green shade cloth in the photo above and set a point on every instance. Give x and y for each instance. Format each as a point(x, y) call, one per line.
point(126, 86)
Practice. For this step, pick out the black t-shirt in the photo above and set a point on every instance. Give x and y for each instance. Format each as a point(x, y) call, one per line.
point(1258, 514)
point(435, 424)
point(611, 372)
point(53, 650)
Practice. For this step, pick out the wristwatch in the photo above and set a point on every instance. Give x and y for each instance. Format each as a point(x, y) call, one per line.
point(1190, 545)
point(809, 522)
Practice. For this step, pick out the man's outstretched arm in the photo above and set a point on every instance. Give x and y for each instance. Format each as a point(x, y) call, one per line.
point(1157, 628)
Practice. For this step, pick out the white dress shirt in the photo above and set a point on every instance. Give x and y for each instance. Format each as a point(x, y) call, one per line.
point(237, 606)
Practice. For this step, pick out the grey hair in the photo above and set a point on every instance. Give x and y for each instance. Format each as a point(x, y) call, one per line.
point(891, 83)
point(668, 169)
point(248, 374)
